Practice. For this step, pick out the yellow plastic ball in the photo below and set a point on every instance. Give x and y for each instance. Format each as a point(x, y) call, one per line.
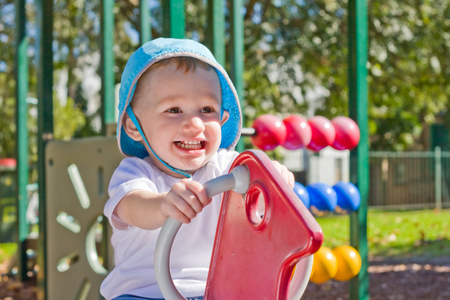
point(348, 262)
point(324, 265)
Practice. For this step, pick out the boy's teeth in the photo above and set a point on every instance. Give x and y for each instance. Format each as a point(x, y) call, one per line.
point(190, 145)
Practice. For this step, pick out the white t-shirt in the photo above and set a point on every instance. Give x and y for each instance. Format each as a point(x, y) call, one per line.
point(134, 247)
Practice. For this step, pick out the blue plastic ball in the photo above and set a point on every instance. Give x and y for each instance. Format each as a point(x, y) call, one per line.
point(302, 193)
point(323, 198)
point(348, 197)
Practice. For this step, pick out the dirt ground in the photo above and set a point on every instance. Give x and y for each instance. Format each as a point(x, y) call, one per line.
point(389, 279)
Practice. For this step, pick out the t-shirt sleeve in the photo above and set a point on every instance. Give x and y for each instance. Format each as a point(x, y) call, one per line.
point(225, 159)
point(132, 174)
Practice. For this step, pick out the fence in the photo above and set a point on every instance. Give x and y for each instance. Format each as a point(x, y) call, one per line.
point(409, 179)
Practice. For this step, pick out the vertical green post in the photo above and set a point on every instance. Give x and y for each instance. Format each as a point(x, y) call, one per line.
point(174, 19)
point(44, 19)
point(21, 74)
point(144, 18)
point(237, 54)
point(438, 178)
point(216, 30)
point(359, 157)
point(108, 81)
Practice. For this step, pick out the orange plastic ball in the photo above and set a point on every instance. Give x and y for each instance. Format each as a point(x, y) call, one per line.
point(324, 265)
point(348, 262)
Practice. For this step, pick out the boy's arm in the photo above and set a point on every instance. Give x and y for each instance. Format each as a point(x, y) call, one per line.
point(149, 210)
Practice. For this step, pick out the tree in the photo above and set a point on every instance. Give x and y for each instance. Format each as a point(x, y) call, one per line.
point(408, 63)
point(409, 70)
point(295, 61)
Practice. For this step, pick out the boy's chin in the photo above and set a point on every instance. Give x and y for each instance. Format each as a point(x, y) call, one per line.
point(191, 168)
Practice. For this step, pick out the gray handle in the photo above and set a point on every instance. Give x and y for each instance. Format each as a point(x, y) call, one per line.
point(238, 180)
point(301, 278)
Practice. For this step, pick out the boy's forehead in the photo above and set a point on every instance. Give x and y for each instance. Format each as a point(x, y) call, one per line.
point(167, 82)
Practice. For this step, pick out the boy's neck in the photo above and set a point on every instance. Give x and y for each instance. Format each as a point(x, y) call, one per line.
point(168, 171)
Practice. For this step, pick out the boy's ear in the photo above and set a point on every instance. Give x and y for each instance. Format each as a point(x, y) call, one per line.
point(131, 129)
point(225, 117)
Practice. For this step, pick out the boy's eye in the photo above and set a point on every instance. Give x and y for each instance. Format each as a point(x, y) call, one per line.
point(207, 110)
point(174, 110)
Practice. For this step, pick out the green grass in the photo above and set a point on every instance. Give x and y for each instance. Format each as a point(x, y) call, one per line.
point(7, 250)
point(395, 233)
point(423, 233)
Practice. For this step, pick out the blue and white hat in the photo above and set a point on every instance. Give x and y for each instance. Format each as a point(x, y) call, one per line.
point(157, 50)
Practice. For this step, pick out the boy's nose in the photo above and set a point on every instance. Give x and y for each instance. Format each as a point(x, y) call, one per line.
point(195, 123)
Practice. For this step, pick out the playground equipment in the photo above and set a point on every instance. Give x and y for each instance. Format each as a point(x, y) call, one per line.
point(243, 266)
point(348, 262)
point(302, 193)
point(348, 197)
point(322, 133)
point(79, 252)
point(270, 132)
point(324, 266)
point(347, 133)
point(298, 132)
point(321, 199)
point(294, 132)
point(341, 263)
point(174, 26)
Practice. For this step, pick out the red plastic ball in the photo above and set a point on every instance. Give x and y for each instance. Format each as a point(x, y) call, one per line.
point(298, 133)
point(347, 133)
point(270, 132)
point(322, 133)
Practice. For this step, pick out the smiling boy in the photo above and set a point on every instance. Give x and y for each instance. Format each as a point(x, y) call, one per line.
point(179, 121)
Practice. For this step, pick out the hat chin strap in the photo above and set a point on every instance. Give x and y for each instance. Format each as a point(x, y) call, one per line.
point(138, 126)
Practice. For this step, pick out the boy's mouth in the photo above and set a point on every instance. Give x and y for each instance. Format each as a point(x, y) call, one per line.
point(191, 145)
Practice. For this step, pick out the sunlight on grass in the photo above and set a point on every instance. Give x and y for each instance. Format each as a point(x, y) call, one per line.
point(390, 233)
point(7, 251)
point(395, 233)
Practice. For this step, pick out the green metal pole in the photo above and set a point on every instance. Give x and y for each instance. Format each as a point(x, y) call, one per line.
point(437, 178)
point(146, 28)
point(174, 19)
point(21, 74)
point(108, 81)
point(216, 30)
point(237, 54)
point(44, 19)
point(359, 157)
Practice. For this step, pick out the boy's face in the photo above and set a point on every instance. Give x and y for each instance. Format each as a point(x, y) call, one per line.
point(179, 113)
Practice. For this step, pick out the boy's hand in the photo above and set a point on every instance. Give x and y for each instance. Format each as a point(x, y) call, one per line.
point(185, 200)
point(285, 173)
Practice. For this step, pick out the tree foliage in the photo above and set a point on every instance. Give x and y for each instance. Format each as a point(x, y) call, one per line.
point(296, 55)
point(408, 65)
point(409, 70)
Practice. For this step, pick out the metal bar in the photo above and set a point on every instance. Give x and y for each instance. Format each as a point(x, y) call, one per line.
point(358, 110)
point(438, 178)
point(144, 18)
point(22, 172)
point(174, 19)
point(216, 29)
point(248, 132)
point(44, 20)
point(108, 81)
point(237, 54)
